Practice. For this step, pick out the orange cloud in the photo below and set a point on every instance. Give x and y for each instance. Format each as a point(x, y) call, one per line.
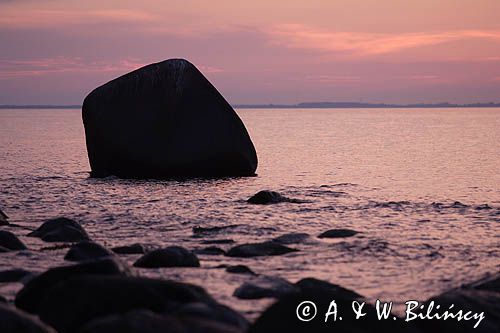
point(37, 67)
point(365, 44)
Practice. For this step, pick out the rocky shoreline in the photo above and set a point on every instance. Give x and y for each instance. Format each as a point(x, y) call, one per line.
point(100, 292)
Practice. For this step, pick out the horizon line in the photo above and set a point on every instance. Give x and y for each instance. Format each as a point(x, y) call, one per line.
point(304, 105)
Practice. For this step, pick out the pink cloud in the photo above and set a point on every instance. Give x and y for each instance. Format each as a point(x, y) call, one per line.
point(30, 18)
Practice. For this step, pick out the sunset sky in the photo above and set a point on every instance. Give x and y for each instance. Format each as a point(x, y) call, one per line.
point(260, 51)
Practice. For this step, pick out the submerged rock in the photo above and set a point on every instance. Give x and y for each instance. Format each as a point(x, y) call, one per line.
point(87, 251)
point(76, 301)
point(165, 120)
point(10, 241)
point(265, 286)
point(172, 256)
point(13, 320)
point(259, 249)
point(266, 197)
point(130, 249)
point(291, 238)
point(240, 269)
point(338, 233)
point(60, 229)
point(37, 288)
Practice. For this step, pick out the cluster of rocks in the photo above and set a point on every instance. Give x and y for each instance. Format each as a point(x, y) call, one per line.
point(101, 293)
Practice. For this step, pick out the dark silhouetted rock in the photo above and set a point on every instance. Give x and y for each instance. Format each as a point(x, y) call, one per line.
point(259, 249)
point(130, 249)
point(165, 120)
point(239, 269)
point(270, 197)
point(172, 256)
point(13, 320)
point(3, 299)
point(74, 302)
point(281, 316)
point(35, 290)
point(338, 233)
point(87, 251)
point(265, 286)
point(145, 321)
point(211, 251)
point(4, 219)
point(4, 249)
point(10, 241)
point(292, 238)
point(60, 229)
point(14, 275)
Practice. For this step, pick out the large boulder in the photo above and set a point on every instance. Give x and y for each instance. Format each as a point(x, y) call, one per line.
point(165, 120)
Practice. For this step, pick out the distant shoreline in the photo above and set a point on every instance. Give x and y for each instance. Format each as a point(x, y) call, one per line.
point(310, 105)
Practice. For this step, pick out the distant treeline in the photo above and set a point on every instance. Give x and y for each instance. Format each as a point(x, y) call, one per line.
point(356, 105)
point(310, 105)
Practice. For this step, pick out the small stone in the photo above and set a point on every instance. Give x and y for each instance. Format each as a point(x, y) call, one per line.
point(60, 229)
point(130, 249)
point(172, 256)
point(259, 249)
point(338, 233)
point(87, 251)
point(10, 241)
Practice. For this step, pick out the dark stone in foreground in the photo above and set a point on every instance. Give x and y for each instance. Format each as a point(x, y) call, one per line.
point(87, 251)
point(14, 275)
point(4, 219)
point(145, 321)
point(37, 288)
point(130, 249)
point(259, 249)
point(291, 238)
point(338, 233)
point(240, 269)
point(165, 120)
point(172, 256)
point(60, 229)
point(10, 241)
point(266, 197)
point(282, 315)
point(480, 296)
point(265, 286)
point(13, 320)
point(76, 301)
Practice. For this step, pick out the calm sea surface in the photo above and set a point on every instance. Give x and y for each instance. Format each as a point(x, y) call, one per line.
point(421, 185)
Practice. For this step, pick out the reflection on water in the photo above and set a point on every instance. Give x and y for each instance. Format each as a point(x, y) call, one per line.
point(420, 185)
